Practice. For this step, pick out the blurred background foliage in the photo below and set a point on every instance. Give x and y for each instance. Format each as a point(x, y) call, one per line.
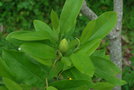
point(19, 15)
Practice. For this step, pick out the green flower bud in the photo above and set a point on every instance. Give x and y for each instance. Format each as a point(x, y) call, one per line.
point(63, 45)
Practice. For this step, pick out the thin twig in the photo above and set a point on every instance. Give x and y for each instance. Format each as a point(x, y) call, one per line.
point(46, 83)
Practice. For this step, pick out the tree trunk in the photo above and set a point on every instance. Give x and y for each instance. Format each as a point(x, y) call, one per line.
point(115, 38)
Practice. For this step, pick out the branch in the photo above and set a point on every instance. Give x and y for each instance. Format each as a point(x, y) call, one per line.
point(88, 12)
point(1, 28)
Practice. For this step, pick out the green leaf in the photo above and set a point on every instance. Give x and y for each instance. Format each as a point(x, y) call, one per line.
point(27, 87)
point(99, 28)
point(83, 63)
point(3, 88)
point(101, 53)
point(41, 26)
point(74, 74)
point(11, 85)
point(51, 88)
point(42, 53)
point(69, 84)
point(69, 14)
point(47, 62)
point(87, 32)
point(54, 20)
point(67, 63)
point(29, 35)
point(23, 69)
point(56, 69)
point(79, 88)
point(4, 70)
point(103, 86)
point(73, 43)
point(106, 70)
point(89, 47)
point(104, 24)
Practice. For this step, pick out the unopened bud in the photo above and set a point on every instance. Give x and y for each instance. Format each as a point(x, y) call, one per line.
point(63, 45)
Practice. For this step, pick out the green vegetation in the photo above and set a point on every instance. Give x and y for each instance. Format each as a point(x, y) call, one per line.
point(18, 15)
point(52, 57)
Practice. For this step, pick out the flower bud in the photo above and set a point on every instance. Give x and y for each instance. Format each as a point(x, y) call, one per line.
point(63, 45)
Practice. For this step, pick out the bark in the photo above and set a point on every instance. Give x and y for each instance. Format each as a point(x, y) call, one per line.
point(114, 36)
point(88, 12)
point(1, 28)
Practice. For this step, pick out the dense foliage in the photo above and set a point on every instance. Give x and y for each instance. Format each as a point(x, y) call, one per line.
point(19, 15)
point(52, 58)
point(25, 11)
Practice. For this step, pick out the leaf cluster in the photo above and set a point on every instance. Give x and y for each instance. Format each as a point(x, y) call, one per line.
point(50, 58)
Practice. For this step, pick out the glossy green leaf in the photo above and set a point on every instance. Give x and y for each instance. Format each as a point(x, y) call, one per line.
point(69, 14)
point(11, 85)
point(99, 28)
point(104, 24)
point(4, 70)
point(29, 35)
point(26, 61)
point(73, 43)
point(101, 53)
point(89, 47)
point(83, 63)
point(54, 20)
point(106, 70)
point(67, 63)
point(87, 32)
point(47, 62)
point(84, 87)
point(69, 84)
point(41, 52)
point(56, 69)
point(103, 86)
point(74, 74)
point(22, 69)
point(41, 26)
point(51, 88)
